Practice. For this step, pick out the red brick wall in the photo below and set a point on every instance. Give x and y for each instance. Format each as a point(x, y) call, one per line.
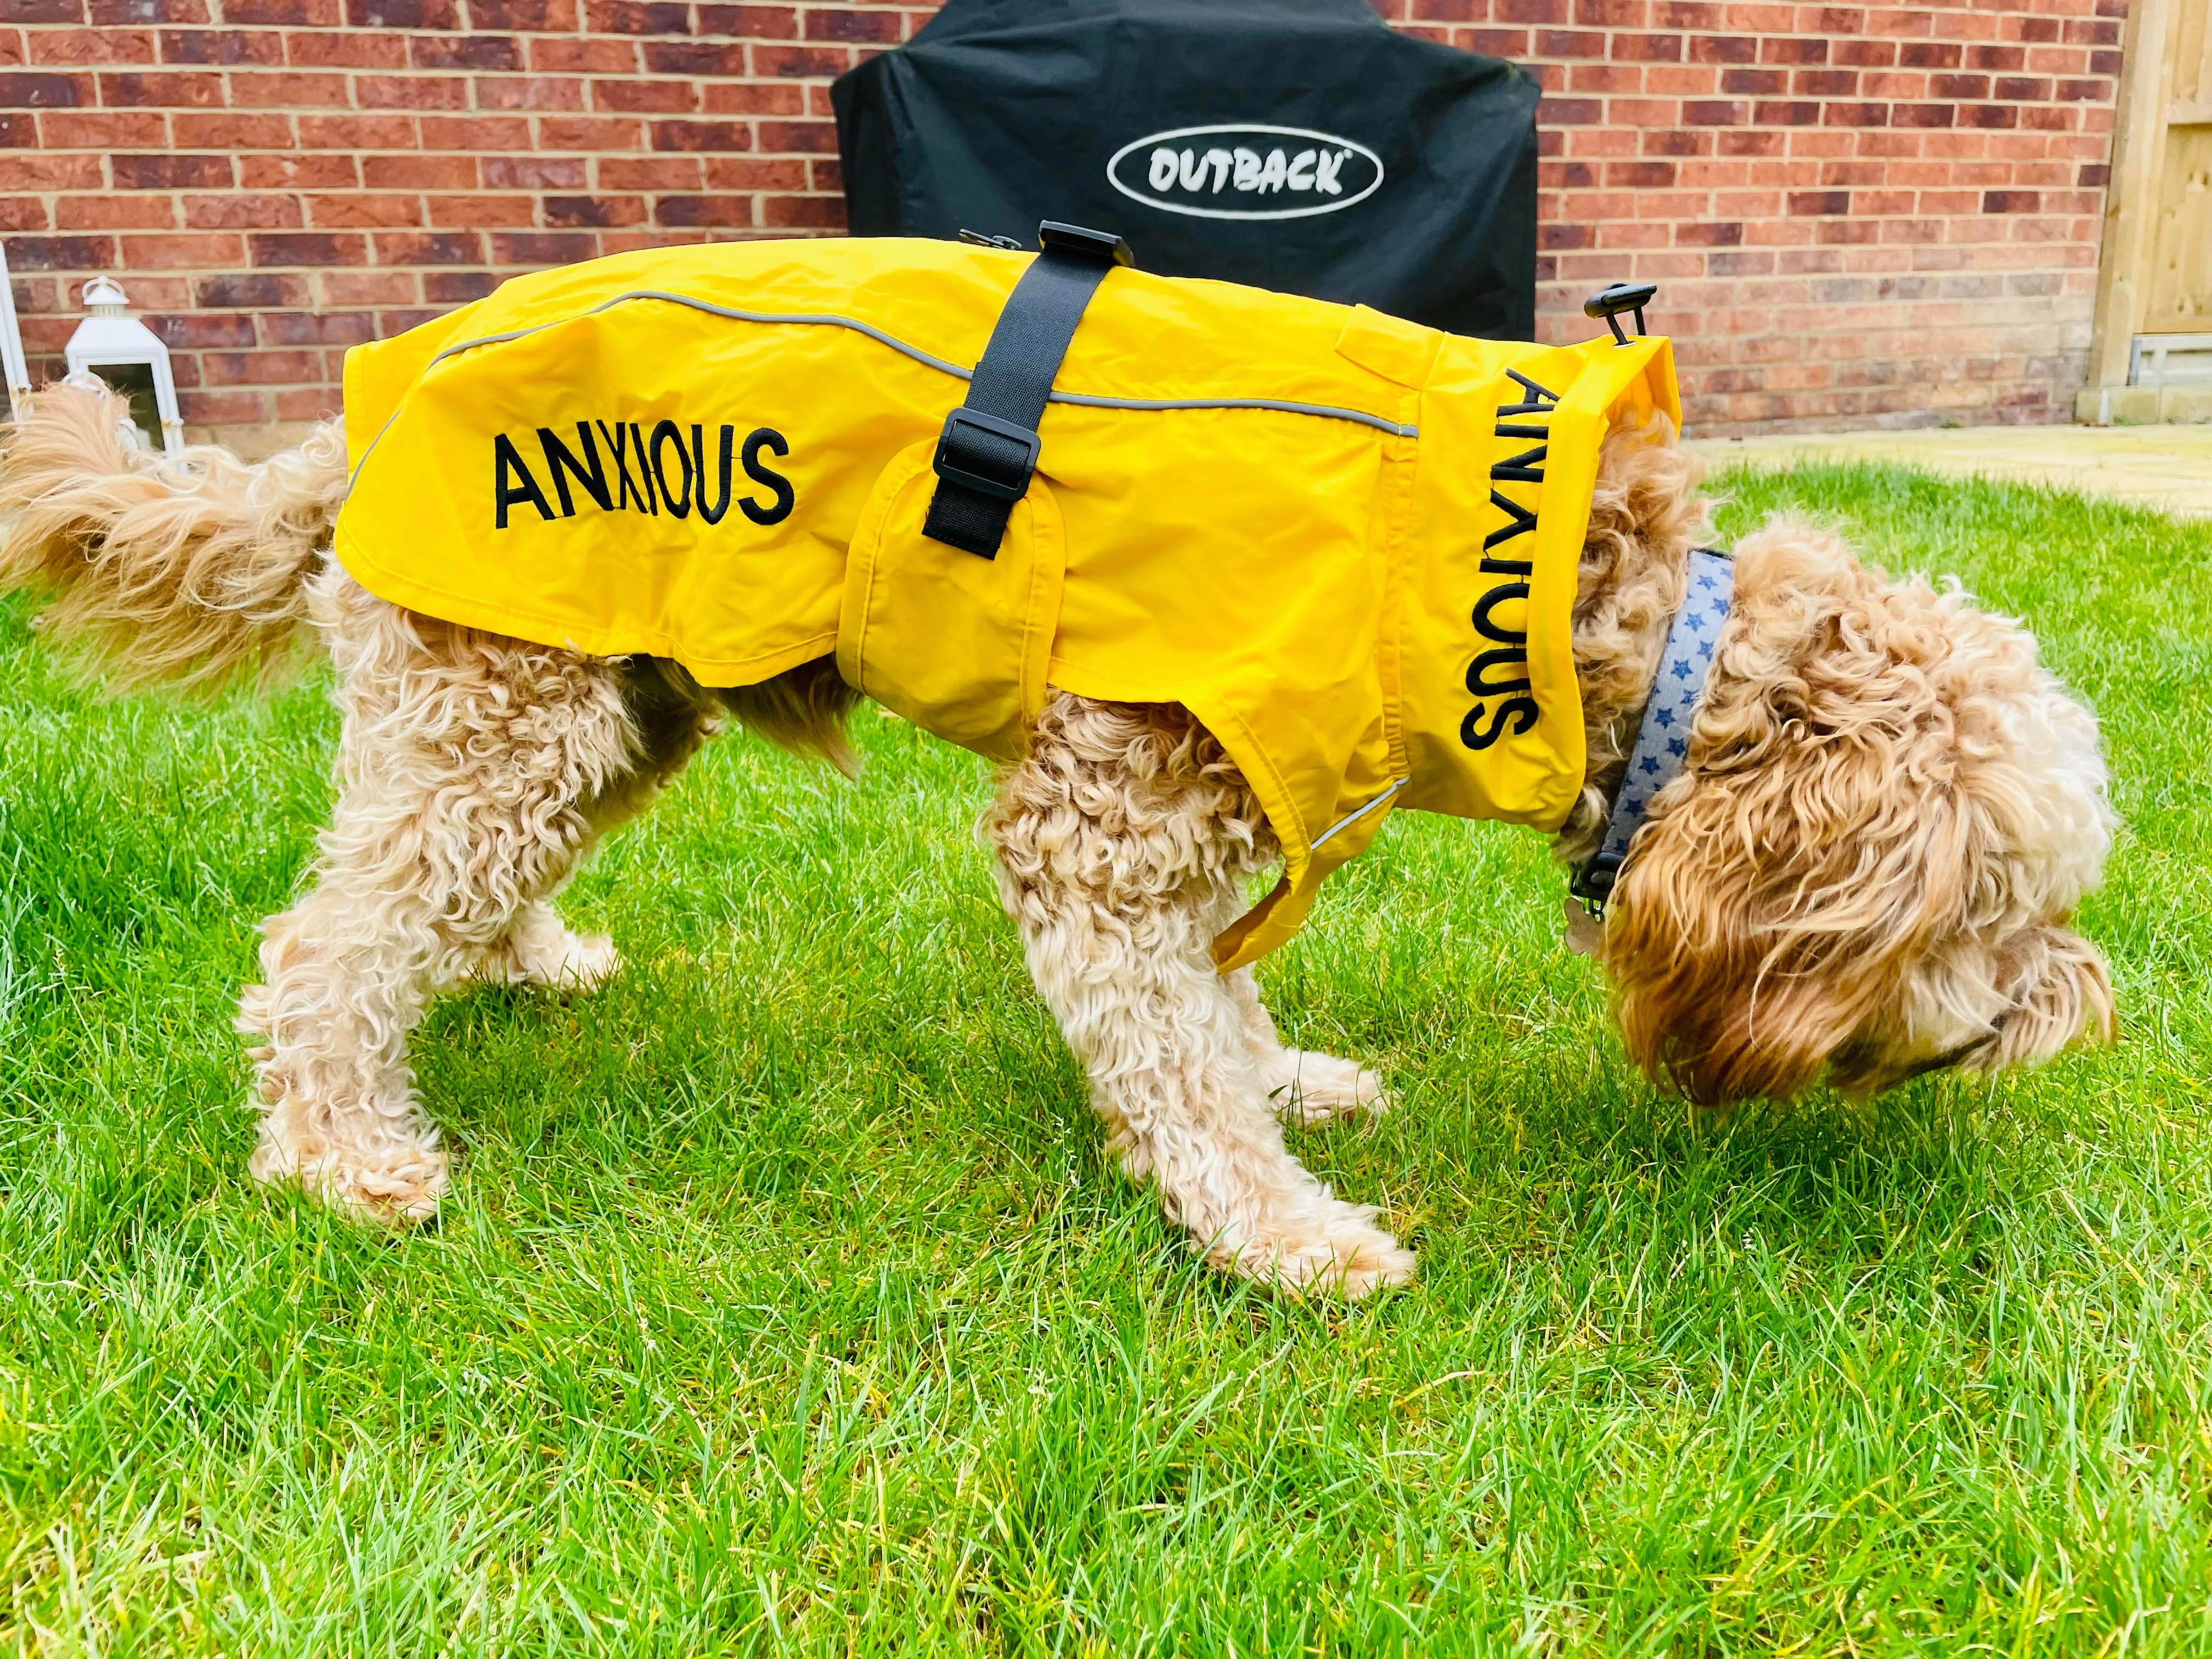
point(1858, 214)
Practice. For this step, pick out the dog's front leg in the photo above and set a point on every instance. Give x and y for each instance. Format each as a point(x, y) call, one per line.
point(1308, 1087)
point(540, 949)
point(1120, 839)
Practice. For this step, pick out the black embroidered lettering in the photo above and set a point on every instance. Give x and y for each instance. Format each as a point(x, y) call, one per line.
point(1540, 400)
point(711, 514)
point(1523, 521)
point(618, 446)
point(563, 465)
point(644, 469)
point(1478, 671)
point(759, 438)
point(1512, 651)
point(507, 462)
point(1486, 626)
point(678, 501)
point(1522, 468)
point(1522, 707)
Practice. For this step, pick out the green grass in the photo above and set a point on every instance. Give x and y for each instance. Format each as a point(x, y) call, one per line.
point(787, 1302)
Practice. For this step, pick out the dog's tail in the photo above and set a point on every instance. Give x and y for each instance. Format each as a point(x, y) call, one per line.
point(188, 571)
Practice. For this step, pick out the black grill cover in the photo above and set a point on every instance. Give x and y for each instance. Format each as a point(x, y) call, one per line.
point(1300, 145)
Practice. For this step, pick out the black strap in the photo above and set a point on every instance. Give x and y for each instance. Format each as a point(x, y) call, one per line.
point(988, 450)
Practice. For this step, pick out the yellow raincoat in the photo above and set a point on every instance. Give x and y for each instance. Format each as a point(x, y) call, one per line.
point(1348, 545)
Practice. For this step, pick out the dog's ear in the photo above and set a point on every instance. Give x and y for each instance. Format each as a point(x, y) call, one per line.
point(1757, 932)
point(1814, 850)
point(2058, 990)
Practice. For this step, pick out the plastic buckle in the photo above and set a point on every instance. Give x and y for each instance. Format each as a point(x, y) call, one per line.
point(1101, 246)
point(1594, 883)
point(958, 456)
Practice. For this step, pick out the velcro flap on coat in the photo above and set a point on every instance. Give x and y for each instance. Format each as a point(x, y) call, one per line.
point(956, 643)
point(1391, 346)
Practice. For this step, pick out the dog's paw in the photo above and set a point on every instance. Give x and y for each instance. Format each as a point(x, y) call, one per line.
point(1331, 1248)
point(395, 1191)
point(1314, 1089)
point(587, 962)
point(576, 963)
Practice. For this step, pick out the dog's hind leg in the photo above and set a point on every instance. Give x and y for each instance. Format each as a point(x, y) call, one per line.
point(467, 769)
point(671, 715)
point(1307, 1087)
point(1120, 839)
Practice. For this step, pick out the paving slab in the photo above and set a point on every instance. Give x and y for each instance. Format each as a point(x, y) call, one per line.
point(2166, 467)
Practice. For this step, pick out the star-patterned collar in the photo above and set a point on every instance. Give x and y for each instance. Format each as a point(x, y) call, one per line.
point(1662, 740)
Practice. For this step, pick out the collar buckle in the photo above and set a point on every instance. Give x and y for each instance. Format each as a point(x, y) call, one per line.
point(1593, 881)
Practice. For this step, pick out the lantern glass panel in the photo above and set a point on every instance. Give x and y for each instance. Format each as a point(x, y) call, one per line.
point(135, 381)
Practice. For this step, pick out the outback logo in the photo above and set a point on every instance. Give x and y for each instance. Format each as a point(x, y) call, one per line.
point(1246, 171)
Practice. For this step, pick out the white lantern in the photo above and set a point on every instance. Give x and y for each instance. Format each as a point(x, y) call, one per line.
point(110, 345)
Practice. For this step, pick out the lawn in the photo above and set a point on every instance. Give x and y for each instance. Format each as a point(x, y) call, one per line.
point(787, 1302)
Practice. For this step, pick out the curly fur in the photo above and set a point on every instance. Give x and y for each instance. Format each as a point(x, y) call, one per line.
point(1120, 839)
point(185, 572)
point(1888, 813)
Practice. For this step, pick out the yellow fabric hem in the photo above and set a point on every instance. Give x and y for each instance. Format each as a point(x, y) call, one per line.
point(513, 621)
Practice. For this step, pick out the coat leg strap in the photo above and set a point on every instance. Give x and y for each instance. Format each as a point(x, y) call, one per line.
point(988, 450)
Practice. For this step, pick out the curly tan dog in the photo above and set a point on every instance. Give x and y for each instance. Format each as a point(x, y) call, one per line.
point(1888, 812)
